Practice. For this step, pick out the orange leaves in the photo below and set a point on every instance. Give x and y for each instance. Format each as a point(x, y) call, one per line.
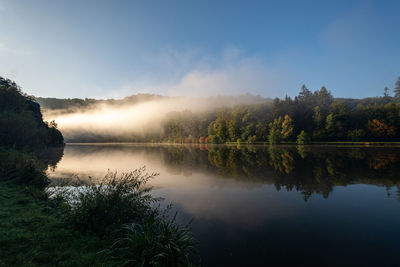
point(380, 129)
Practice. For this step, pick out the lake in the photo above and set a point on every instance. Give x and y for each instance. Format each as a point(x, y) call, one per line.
point(263, 205)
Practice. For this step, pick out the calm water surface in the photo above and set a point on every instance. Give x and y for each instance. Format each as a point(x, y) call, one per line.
point(258, 206)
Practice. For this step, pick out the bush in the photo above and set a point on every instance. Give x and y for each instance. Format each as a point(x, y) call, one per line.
point(114, 201)
point(22, 168)
point(121, 206)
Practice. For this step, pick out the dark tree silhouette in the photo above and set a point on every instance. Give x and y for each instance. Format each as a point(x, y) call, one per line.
point(396, 90)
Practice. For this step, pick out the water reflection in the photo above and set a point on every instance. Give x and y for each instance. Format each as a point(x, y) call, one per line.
point(261, 205)
point(308, 170)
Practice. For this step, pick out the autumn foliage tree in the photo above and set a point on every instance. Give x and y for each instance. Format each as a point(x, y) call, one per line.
point(379, 129)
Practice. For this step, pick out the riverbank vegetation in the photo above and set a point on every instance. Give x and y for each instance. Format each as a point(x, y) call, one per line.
point(318, 114)
point(251, 119)
point(91, 224)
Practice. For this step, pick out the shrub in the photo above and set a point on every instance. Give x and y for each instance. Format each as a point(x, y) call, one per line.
point(22, 168)
point(121, 206)
point(114, 201)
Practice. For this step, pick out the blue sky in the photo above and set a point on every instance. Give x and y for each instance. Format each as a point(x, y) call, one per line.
point(116, 48)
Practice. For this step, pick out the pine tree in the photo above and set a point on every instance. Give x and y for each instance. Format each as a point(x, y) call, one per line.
point(386, 92)
point(396, 90)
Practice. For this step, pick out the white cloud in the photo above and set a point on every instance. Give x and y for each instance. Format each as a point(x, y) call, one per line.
point(232, 73)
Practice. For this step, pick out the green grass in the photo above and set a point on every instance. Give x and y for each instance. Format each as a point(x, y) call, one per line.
point(32, 233)
point(81, 222)
point(92, 232)
point(122, 208)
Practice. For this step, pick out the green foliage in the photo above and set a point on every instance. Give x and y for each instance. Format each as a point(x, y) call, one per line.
point(317, 118)
point(396, 90)
point(156, 241)
point(280, 129)
point(213, 139)
point(287, 127)
point(325, 118)
point(111, 202)
point(145, 235)
point(33, 233)
point(22, 168)
point(356, 134)
point(21, 123)
point(275, 136)
point(303, 138)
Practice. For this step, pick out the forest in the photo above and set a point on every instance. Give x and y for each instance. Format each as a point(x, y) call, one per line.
point(21, 122)
point(308, 117)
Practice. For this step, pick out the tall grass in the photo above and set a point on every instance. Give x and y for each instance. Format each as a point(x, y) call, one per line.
point(115, 200)
point(22, 168)
point(121, 207)
point(156, 241)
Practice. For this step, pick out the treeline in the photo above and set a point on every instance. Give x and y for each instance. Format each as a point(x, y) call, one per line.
point(21, 122)
point(66, 105)
point(70, 104)
point(310, 116)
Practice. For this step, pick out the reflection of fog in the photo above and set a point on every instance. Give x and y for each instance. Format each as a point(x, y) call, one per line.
point(94, 161)
point(247, 207)
point(247, 203)
point(308, 170)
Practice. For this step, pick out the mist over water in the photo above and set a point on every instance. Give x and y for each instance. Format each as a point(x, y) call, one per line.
point(125, 119)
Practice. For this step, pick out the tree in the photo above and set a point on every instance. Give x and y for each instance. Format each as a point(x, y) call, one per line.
point(274, 137)
point(305, 94)
point(287, 127)
point(261, 131)
point(396, 90)
point(323, 98)
point(380, 129)
point(386, 92)
point(330, 124)
point(233, 131)
point(317, 118)
point(303, 138)
point(275, 131)
point(356, 135)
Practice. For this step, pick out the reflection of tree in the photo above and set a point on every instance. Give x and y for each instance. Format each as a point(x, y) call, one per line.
point(303, 151)
point(281, 160)
point(398, 191)
point(51, 157)
point(309, 170)
point(382, 160)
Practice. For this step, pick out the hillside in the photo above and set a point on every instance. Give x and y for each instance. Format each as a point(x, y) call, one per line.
point(21, 121)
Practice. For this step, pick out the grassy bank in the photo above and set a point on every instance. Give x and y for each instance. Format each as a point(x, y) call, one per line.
point(112, 221)
point(33, 233)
